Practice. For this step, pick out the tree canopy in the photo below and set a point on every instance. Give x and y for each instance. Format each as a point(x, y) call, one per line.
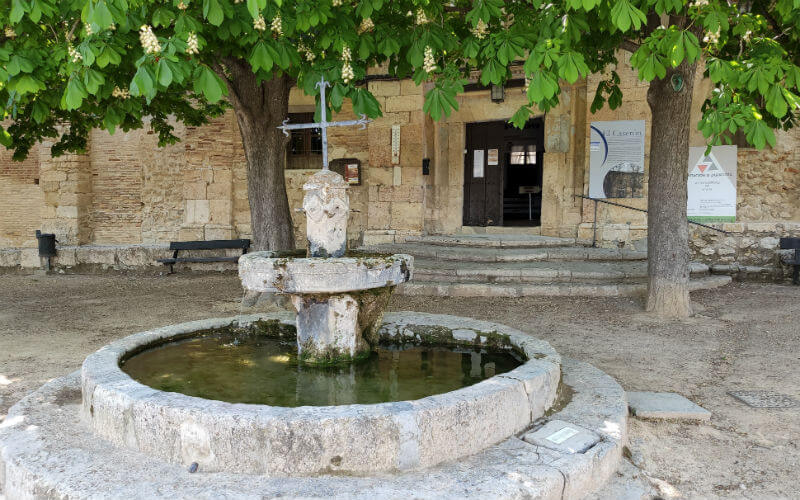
point(110, 63)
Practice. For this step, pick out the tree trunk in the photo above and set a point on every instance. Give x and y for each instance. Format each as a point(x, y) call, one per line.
point(260, 108)
point(667, 228)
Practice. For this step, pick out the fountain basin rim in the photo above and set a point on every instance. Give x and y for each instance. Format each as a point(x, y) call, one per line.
point(367, 437)
point(274, 272)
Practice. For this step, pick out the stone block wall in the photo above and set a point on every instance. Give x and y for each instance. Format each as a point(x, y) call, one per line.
point(21, 199)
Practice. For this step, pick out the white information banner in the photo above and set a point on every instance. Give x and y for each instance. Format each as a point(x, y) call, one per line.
point(616, 159)
point(712, 184)
point(477, 163)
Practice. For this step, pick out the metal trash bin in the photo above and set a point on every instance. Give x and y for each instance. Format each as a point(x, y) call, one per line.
point(47, 244)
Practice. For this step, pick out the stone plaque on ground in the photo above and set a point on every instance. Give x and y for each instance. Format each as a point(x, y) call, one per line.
point(665, 405)
point(562, 436)
point(765, 399)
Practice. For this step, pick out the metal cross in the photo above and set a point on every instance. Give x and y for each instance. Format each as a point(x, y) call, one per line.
point(324, 123)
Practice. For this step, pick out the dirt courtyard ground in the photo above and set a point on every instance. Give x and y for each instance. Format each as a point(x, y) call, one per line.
point(744, 336)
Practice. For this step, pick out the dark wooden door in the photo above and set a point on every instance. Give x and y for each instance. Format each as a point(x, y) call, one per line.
point(483, 174)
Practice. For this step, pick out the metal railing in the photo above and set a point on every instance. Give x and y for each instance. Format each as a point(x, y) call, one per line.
point(598, 200)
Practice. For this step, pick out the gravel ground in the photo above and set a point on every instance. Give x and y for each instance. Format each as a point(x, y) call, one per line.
point(744, 336)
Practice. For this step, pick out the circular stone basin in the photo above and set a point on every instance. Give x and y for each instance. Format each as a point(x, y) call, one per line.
point(286, 272)
point(253, 369)
point(309, 440)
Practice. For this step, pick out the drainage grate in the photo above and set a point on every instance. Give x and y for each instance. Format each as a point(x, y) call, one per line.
point(765, 399)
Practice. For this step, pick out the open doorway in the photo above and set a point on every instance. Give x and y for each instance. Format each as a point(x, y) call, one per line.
point(503, 174)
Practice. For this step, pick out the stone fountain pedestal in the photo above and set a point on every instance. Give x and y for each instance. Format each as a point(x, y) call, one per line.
point(339, 298)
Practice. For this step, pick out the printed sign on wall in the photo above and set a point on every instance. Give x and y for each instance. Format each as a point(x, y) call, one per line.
point(712, 184)
point(477, 163)
point(616, 159)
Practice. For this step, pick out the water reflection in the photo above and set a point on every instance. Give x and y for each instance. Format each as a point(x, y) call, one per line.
point(258, 370)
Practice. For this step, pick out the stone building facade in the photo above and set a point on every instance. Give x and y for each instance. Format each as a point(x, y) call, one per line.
point(126, 192)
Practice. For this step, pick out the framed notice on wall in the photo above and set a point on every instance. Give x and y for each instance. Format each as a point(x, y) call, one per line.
point(712, 184)
point(349, 168)
point(616, 159)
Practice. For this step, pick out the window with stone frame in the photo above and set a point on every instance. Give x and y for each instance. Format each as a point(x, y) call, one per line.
point(305, 145)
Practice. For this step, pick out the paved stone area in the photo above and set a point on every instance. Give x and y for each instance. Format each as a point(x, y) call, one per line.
point(765, 399)
point(48, 325)
point(665, 405)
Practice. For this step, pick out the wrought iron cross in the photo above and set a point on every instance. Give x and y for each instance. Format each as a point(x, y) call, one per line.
point(323, 123)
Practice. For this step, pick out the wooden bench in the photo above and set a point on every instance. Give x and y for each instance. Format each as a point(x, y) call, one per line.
point(177, 246)
point(793, 244)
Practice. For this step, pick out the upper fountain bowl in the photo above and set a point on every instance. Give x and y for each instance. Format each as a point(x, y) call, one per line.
point(287, 272)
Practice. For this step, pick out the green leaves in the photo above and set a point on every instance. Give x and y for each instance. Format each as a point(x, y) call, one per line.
point(100, 15)
point(682, 44)
point(364, 103)
point(441, 99)
point(624, 15)
point(17, 11)
point(25, 84)
point(542, 86)
point(759, 134)
point(254, 7)
point(212, 11)
point(260, 57)
point(74, 94)
point(571, 66)
point(207, 83)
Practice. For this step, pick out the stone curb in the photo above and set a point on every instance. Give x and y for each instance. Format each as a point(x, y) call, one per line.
point(511, 254)
point(356, 439)
point(439, 289)
point(59, 457)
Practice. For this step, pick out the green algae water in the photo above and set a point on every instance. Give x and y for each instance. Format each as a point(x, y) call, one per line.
point(260, 370)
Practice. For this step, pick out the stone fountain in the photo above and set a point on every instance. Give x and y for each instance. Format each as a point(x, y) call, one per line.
point(450, 407)
point(339, 297)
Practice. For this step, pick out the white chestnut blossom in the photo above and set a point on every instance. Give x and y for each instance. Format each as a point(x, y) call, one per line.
point(192, 44)
point(183, 6)
point(347, 68)
point(366, 25)
point(421, 17)
point(480, 30)
point(337, 3)
point(149, 40)
point(74, 55)
point(429, 64)
point(711, 37)
point(260, 24)
point(88, 29)
point(10, 33)
point(307, 53)
point(276, 25)
point(121, 93)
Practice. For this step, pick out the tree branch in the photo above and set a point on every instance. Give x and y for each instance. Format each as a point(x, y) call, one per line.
point(629, 45)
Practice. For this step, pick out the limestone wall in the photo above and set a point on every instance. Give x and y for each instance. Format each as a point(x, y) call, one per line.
point(21, 199)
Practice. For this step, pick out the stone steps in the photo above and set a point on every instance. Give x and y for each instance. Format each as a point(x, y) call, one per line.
point(492, 241)
point(507, 254)
point(537, 272)
point(568, 289)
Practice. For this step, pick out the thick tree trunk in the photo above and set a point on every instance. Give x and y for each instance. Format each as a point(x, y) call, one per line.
point(667, 228)
point(260, 108)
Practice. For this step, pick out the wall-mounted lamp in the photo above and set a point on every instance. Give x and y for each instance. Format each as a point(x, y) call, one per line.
point(498, 93)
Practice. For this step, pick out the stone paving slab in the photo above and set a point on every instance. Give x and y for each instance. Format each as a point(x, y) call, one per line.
point(47, 451)
point(665, 405)
point(563, 437)
point(765, 399)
